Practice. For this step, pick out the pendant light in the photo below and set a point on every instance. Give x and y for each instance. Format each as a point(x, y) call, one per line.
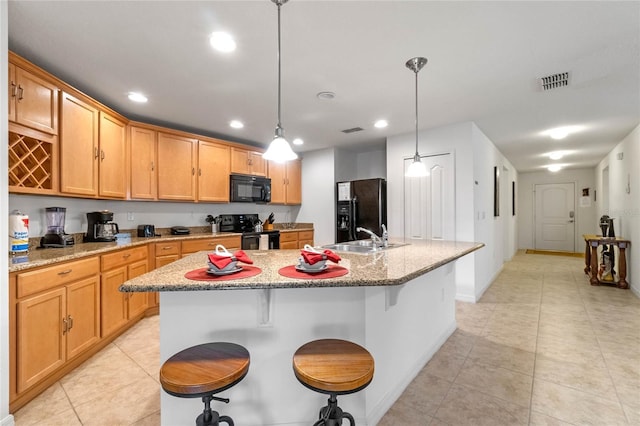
point(417, 168)
point(279, 149)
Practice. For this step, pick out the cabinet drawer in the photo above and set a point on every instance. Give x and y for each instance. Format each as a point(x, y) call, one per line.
point(209, 244)
point(167, 248)
point(122, 257)
point(35, 281)
point(286, 237)
point(305, 235)
point(289, 245)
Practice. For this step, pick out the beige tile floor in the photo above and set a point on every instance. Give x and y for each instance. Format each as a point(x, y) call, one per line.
point(542, 347)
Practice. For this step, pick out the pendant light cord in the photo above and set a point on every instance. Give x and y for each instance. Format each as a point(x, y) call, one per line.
point(416, 72)
point(279, 72)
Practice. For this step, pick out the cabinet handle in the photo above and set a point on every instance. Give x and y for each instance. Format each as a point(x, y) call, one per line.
point(250, 161)
point(65, 272)
point(193, 171)
point(166, 248)
point(70, 321)
point(64, 326)
point(21, 91)
point(14, 89)
point(199, 172)
point(152, 166)
point(126, 256)
point(95, 155)
point(102, 155)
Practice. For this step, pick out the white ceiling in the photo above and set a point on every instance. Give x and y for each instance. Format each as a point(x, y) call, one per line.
point(484, 62)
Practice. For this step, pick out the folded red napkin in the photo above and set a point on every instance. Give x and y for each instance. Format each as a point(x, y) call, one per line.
point(222, 261)
point(313, 257)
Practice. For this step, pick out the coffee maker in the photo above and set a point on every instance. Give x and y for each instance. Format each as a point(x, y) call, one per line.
point(100, 228)
point(55, 236)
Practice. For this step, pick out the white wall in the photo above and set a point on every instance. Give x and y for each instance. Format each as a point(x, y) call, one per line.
point(5, 417)
point(318, 194)
point(474, 157)
point(371, 164)
point(586, 221)
point(622, 205)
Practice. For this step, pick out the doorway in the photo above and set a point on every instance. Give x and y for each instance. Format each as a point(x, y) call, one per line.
point(555, 217)
point(429, 201)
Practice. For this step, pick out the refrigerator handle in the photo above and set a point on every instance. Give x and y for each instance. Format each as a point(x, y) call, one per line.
point(352, 220)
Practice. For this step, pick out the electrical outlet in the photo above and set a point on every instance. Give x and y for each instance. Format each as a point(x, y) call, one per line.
point(129, 215)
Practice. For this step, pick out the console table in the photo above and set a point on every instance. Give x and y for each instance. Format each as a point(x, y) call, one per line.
point(591, 258)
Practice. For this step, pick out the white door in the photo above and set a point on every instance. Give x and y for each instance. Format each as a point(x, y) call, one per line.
point(429, 201)
point(555, 216)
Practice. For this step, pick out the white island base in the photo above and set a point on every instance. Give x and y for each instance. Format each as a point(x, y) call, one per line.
point(401, 326)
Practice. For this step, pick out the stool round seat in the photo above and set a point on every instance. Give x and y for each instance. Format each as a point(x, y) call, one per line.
point(333, 366)
point(204, 369)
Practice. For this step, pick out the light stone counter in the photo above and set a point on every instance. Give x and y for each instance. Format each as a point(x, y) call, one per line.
point(389, 267)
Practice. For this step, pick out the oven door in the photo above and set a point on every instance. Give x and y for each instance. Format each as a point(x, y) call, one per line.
point(250, 241)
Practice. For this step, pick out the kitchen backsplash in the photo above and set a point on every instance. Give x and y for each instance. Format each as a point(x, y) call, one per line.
point(130, 214)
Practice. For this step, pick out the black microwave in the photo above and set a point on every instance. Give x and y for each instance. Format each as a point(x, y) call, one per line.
point(250, 189)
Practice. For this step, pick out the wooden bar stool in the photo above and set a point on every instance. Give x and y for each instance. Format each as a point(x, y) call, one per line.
point(202, 371)
point(333, 367)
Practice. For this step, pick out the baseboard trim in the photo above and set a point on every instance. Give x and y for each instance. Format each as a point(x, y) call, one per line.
point(7, 421)
point(555, 253)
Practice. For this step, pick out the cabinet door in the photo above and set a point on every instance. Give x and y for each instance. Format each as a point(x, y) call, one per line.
point(143, 163)
point(176, 167)
point(36, 102)
point(40, 329)
point(12, 93)
point(83, 315)
point(277, 174)
point(78, 147)
point(257, 164)
point(112, 302)
point(213, 171)
point(113, 157)
point(165, 260)
point(136, 302)
point(240, 161)
point(294, 182)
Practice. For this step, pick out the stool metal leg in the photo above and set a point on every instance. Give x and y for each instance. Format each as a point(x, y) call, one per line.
point(332, 415)
point(210, 417)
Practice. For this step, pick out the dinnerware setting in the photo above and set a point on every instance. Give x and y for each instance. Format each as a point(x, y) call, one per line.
point(223, 262)
point(312, 260)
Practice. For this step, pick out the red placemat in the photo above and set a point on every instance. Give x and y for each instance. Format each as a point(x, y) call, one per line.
point(202, 275)
point(331, 272)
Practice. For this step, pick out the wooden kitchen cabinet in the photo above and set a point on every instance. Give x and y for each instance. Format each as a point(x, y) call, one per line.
point(305, 237)
point(113, 157)
point(177, 158)
point(117, 308)
point(33, 100)
point(166, 252)
point(209, 244)
point(78, 146)
point(57, 317)
point(142, 142)
point(33, 161)
point(247, 162)
point(291, 240)
point(286, 182)
point(213, 171)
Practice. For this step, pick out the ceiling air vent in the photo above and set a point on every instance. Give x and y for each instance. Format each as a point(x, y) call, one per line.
point(352, 130)
point(554, 81)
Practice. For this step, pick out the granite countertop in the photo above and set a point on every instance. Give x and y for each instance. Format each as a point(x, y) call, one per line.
point(390, 267)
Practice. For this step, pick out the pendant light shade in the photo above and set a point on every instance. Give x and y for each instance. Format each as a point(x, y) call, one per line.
point(417, 168)
point(279, 149)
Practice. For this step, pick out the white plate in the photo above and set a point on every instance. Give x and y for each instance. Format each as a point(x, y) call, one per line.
point(311, 271)
point(233, 271)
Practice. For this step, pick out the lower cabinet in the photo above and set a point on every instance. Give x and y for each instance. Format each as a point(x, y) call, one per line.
point(209, 244)
point(291, 240)
point(56, 313)
point(119, 308)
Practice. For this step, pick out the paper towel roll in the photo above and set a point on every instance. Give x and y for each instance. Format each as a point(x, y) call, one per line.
point(18, 232)
point(264, 242)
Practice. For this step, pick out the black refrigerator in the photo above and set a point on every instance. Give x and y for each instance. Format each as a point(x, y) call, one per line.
point(360, 203)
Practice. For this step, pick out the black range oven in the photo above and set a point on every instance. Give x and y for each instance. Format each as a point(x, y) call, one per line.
point(245, 224)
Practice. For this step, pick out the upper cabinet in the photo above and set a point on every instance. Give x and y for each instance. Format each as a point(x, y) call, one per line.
point(143, 163)
point(286, 182)
point(33, 100)
point(213, 171)
point(177, 158)
point(113, 157)
point(247, 162)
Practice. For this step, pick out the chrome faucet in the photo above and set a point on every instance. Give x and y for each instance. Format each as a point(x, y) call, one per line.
point(380, 242)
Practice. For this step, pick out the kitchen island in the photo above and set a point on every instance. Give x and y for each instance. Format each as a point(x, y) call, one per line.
point(398, 303)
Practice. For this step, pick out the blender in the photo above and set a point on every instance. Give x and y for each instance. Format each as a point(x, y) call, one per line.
point(55, 236)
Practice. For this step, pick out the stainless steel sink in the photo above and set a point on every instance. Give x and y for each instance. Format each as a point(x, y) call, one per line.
point(361, 246)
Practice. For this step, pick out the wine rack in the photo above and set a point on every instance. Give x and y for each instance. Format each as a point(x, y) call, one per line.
point(31, 163)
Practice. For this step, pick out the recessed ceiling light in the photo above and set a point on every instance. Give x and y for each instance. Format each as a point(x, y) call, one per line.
point(137, 97)
point(326, 95)
point(554, 167)
point(236, 124)
point(562, 132)
point(556, 155)
point(380, 124)
point(222, 42)
point(297, 141)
